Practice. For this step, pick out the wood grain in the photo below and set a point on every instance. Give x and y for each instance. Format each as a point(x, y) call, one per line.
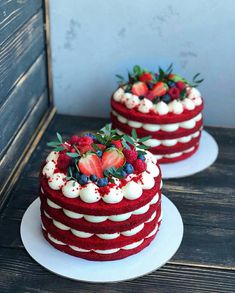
point(19, 104)
point(19, 52)
point(19, 273)
point(14, 13)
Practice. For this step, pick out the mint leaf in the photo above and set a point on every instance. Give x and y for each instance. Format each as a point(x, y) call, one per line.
point(128, 139)
point(142, 146)
point(145, 138)
point(134, 134)
point(72, 155)
point(125, 144)
point(59, 148)
point(59, 137)
point(53, 143)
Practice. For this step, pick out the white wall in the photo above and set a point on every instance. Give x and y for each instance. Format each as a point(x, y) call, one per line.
point(93, 40)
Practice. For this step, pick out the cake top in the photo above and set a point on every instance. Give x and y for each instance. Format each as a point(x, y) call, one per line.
point(159, 92)
point(101, 165)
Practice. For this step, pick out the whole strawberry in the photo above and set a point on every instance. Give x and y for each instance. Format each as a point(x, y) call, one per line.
point(130, 155)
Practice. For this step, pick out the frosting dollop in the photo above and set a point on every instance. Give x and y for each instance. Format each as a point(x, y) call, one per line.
point(57, 181)
point(132, 102)
point(90, 193)
point(49, 169)
point(71, 189)
point(114, 195)
point(161, 108)
point(117, 96)
point(132, 190)
point(145, 105)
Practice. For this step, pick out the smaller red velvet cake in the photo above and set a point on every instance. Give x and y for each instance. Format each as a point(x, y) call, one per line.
point(163, 105)
point(100, 195)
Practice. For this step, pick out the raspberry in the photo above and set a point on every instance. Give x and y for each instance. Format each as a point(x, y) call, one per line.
point(74, 139)
point(85, 140)
point(130, 155)
point(117, 143)
point(139, 166)
point(146, 77)
point(180, 85)
point(174, 92)
point(63, 162)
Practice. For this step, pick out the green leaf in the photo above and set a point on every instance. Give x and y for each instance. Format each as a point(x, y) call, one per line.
point(125, 144)
point(128, 139)
point(195, 76)
point(59, 148)
point(145, 138)
point(72, 155)
point(142, 146)
point(137, 70)
point(120, 77)
point(134, 134)
point(200, 80)
point(68, 178)
point(53, 143)
point(59, 137)
point(141, 153)
point(169, 68)
point(161, 73)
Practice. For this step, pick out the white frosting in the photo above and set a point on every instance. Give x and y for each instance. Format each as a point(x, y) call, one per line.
point(108, 236)
point(118, 95)
point(60, 225)
point(153, 232)
point(141, 210)
point(120, 218)
point(152, 217)
point(78, 248)
point(171, 127)
point(57, 181)
point(53, 156)
point(193, 93)
point(188, 104)
point(55, 240)
point(145, 105)
point(114, 195)
point(71, 189)
point(72, 215)
point(152, 169)
point(95, 219)
point(173, 155)
point(52, 204)
point(175, 107)
point(81, 234)
point(132, 102)
point(161, 108)
point(49, 169)
point(90, 193)
point(133, 231)
point(155, 199)
point(132, 190)
point(147, 182)
point(132, 245)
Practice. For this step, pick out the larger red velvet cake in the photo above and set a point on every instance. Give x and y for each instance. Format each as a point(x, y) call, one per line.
point(100, 196)
point(163, 105)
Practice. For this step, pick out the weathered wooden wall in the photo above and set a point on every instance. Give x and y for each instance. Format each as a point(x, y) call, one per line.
point(23, 79)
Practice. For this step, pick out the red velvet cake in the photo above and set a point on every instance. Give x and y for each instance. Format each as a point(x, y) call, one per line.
point(100, 195)
point(163, 105)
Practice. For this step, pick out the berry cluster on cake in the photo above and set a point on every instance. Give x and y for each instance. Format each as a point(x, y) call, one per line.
point(100, 195)
point(161, 104)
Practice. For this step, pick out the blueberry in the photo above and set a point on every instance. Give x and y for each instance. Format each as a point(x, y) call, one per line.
point(166, 98)
point(99, 153)
point(123, 173)
point(83, 179)
point(141, 97)
point(93, 178)
point(128, 168)
point(77, 176)
point(141, 157)
point(102, 182)
point(171, 83)
point(91, 135)
point(150, 86)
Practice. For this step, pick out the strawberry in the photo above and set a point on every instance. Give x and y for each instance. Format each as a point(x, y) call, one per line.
point(101, 146)
point(112, 158)
point(117, 143)
point(158, 90)
point(90, 164)
point(139, 88)
point(146, 77)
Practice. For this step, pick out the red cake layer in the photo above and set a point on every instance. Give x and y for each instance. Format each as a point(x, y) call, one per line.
point(179, 158)
point(94, 242)
point(101, 257)
point(106, 226)
point(155, 134)
point(99, 208)
point(135, 115)
point(179, 147)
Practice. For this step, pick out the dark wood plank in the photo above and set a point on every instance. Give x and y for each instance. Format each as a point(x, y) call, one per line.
point(22, 99)
point(19, 52)
point(8, 162)
point(15, 13)
point(19, 273)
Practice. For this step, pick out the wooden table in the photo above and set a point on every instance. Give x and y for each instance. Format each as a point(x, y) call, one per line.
point(205, 261)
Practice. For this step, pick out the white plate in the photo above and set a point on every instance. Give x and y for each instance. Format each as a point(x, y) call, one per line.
point(204, 157)
point(151, 258)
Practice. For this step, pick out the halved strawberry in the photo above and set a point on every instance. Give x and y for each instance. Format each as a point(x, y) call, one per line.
point(139, 88)
point(146, 77)
point(90, 164)
point(158, 90)
point(112, 158)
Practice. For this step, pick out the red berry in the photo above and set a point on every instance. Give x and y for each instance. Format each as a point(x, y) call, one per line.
point(101, 146)
point(86, 148)
point(90, 164)
point(146, 77)
point(112, 158)
point(174, 92)
point(158, 90)
point(84, 140)
point(139, 88)
point(63, 162)
point(74, 139)
point(130, 155)
point(139, 166)
point(117, 143)
point(180, 85)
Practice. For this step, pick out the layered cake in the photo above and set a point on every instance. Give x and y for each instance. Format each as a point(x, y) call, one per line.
point(100, 195)
point(163, 105)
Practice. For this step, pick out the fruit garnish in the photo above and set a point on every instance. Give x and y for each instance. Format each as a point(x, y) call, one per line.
point(112, 158)
point(174, 92)
point(139, 166)
point(158, 90)
point(117, 143)
point(90, 164)
point(139, 89)
point(146, 77)
point(86, 148)
point(130, 155)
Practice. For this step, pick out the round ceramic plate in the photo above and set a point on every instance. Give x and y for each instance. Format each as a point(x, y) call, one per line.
point(151, 258)
point(204, 157)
